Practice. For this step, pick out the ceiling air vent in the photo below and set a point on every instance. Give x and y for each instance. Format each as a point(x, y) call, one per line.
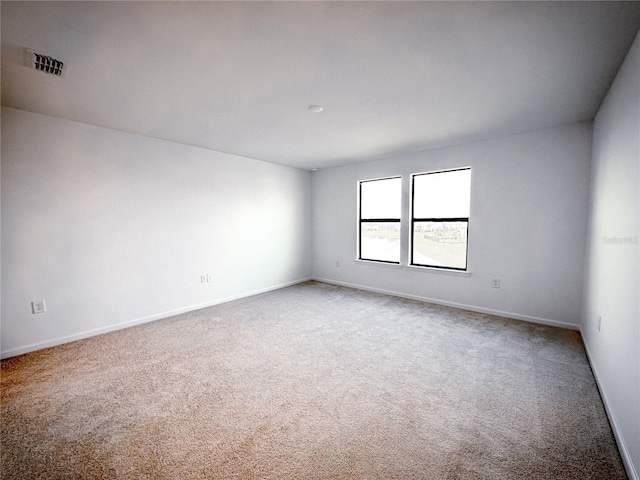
point(45, 63)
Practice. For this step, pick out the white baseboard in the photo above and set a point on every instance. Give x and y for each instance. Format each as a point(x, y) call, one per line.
point(137, 321)
point(472, 308)
point(632, 473)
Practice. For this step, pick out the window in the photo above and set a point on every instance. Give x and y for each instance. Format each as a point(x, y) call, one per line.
point(440, 218)
point(379, 219)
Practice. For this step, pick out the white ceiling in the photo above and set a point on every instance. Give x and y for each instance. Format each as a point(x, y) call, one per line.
point(393, 77)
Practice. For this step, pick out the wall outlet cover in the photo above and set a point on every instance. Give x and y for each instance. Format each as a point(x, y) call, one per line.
point(38, 306)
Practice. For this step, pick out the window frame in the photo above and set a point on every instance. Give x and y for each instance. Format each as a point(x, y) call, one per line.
point(398, 220)
point(413, 220)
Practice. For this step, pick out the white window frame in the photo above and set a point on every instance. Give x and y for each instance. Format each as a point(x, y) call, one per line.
point(397, 220)
point(412, 220)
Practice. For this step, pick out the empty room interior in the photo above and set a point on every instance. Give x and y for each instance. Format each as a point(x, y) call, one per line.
point(320, 240)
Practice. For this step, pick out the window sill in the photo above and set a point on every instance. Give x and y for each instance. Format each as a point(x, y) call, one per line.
point(415, 268)
point(439, 271)
point(377, 264)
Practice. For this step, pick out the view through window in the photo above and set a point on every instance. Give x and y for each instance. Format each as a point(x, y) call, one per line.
point(440, 218)
point(379, 222)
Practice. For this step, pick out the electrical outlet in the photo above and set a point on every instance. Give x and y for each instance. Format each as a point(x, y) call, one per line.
point(203, 278)
point(38, 306)
point(495, 283)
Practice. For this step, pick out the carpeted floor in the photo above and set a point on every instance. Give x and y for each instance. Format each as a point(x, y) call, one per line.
point(310, 382)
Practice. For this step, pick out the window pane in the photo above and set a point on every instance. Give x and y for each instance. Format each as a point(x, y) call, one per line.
point(440, 244)
point(381, 198)
point(442, 194)
point(380, 241)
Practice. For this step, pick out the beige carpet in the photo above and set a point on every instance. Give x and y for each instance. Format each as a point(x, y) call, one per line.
point(310, 382)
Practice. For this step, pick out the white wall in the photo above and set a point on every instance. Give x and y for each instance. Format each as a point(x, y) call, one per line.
point(612, 281)
point(111, 228)
point(528, 224)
